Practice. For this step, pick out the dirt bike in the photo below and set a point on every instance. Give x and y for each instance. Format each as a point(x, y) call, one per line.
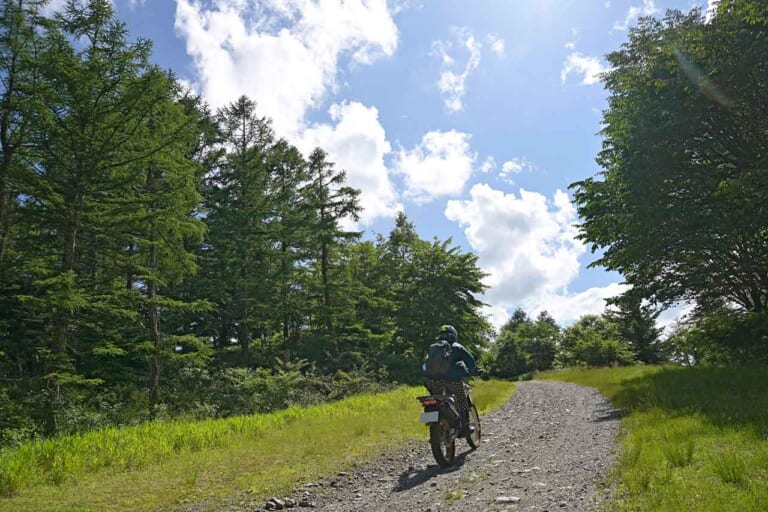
point(442, 415)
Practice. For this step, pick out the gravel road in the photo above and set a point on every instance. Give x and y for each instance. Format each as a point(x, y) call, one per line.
point(545, 450)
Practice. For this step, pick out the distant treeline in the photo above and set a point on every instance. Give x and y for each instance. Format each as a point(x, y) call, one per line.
point(158, 259)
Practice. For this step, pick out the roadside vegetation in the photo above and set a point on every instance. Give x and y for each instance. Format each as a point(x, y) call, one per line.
point(161, 260)
point(157, 465)
point(691, 438)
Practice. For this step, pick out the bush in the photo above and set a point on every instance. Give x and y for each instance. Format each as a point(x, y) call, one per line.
point(599, 351)
point(723, 336)
point(594, 341)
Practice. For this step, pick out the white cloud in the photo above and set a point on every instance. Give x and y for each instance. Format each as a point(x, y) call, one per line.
point(514, 166)
point(489, 164)
point(711, 10)
point(571, 45)
point(53, 7)
point(453, 85)
point(589, 67)
point(497, 315)
point(636, 11)
point(282, 53)
point(568, 307)
point(497, 44)
point(526, 243)
point(357, 144)
point(285, 55)
point(440, 165)
point(669, 318)
point(58, 6)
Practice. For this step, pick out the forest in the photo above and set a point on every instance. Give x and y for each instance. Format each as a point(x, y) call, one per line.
point(162, 260)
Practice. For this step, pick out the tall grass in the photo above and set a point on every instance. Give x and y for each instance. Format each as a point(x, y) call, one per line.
point(157, 465)
point(692, 438)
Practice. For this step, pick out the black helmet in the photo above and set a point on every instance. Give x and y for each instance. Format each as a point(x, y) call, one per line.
point(448, 333)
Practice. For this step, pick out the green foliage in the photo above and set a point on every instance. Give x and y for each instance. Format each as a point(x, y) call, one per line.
point(160, 260)
point(722, 336)
point(693, 438)
point(524, 346)
point(636, 325)
point(679, 208)
point(594, 341)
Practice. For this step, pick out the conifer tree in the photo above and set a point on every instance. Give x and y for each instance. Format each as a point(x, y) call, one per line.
point(333, 203)
point(239, 208)
point(290, 227)
point(96, 95)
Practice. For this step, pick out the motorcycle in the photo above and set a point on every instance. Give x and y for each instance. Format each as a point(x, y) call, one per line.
point(442, 415)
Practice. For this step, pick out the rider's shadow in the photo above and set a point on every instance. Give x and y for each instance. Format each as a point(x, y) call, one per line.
point(410, 479)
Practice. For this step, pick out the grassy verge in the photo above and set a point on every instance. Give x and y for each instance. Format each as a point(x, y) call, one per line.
point(693, 438)
point(163, 465)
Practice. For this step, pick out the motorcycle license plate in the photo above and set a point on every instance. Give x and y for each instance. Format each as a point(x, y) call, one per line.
point(429, 417)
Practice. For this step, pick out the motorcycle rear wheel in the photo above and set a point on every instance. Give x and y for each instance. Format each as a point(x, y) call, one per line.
point(443, 450)
point(473, 440)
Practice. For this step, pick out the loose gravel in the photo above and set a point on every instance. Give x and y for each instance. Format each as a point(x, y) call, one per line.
point(547, 449)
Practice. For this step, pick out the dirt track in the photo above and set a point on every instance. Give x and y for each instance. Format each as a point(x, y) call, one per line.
point(547, 449)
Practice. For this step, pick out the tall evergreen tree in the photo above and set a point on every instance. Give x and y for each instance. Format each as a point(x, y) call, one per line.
point(20, 40)
point(239, 209)
point(291, 216)
point(332, 202)
point(637, 327)
point(97, 92)
point(164, 223)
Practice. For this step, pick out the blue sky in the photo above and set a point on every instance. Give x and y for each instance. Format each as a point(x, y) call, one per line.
point(471, 116)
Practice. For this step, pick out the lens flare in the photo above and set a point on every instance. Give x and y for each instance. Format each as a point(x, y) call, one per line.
point(704, 84)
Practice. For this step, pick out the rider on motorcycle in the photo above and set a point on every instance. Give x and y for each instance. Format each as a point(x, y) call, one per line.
point(462, 367)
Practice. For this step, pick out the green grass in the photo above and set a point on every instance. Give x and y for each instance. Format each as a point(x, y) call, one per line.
point(692, 438)
point(157, 466)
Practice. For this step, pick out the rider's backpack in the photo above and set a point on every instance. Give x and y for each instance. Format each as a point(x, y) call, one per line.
point(439, 359)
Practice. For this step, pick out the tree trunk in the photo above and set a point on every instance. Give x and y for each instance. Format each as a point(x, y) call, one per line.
point(59, 334)
point(245, 332)
point(284, 292)
point(223, 330)
point(4, 221)
point(8, 150)
point(156, 361)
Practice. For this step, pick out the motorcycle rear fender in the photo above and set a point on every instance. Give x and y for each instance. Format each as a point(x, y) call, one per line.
point(446, 405)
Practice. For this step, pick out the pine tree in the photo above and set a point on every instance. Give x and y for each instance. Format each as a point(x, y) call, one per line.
point(333, 203)
point(163, 224)
point(636, 323)
point(20, 40)
point(97, 93)
point(290, 226)
point(239, 210)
